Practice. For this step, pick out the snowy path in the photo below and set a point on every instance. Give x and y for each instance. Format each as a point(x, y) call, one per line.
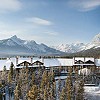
point(92, 96)
point(92, 92)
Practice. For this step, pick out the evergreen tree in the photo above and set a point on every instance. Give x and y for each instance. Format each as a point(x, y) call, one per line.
point(63, 94)
point(45, 97)
point(12, 69)
point(33, 93)
point(54, 90)
point(23, 79)
point(44, 80)
point(32, 82)
point(4, 68)
point(4, 74)
point(0, 92)
point(47, 87)
point(69, 88)
point(11, 72)
point(80, 92)
point(43, 85)
point(69, 85)
point(1, 96)
point(9, 78)
point(17, 92)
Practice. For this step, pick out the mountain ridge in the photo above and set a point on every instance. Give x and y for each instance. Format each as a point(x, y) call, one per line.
point(15, 45)
point(77, 47)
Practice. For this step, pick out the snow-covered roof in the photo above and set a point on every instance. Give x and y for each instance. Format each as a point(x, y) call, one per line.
point(58, 62)
point(79, 58)
point(84, 59)
point(51, 62)
point(66, 62)
point(20, 60)
point(25, 66)
point(91, 59)
point(47, 62)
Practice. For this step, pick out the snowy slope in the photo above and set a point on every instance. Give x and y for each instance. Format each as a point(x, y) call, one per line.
point(95, 43)
point(92, 92)
point(71, 48)
point(77, 47)
point(15, 45)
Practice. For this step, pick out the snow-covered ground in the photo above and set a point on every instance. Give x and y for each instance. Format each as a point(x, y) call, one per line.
point(61, 77)
point(92, 92)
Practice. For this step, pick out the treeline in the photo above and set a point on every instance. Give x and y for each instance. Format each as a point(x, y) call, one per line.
point(93, 52)
point(40, 84)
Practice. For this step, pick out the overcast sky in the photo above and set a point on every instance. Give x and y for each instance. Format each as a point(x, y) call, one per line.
point(52, 22)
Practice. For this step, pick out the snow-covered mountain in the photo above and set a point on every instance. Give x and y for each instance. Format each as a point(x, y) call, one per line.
point(95, 43)
point(15, 45)
point(77, 47)
point(96, 39)
point(70, 48)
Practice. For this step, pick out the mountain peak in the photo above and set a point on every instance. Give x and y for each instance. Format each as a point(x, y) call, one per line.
point(15, 45)
point(14, 37)
point(96, 39)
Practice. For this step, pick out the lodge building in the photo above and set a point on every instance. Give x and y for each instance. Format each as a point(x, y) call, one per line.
point(76, 63)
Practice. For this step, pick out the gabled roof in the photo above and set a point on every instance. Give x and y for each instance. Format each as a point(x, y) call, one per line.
point(37, 63)
point(79, 62)
point(24, 63)
point(89, 58)
point(89, 62)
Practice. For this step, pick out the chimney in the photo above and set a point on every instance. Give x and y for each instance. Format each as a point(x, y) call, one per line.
point(17, 60)
point(74, 60)
point(43, 61)
point(84, 59)
point(31, 60)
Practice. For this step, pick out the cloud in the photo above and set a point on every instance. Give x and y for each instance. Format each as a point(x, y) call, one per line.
point(9, 5)
point(52, 33)
point(84, 5)
point(38, 21)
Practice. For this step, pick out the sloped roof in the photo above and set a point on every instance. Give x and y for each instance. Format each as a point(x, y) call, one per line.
point(79, 62)
point(58, 62)
point(51, 62)
point(84, 58)
point(89, 58)
point(89, 62)
point(24, 62)
point(65, 62)
point(36, 62)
